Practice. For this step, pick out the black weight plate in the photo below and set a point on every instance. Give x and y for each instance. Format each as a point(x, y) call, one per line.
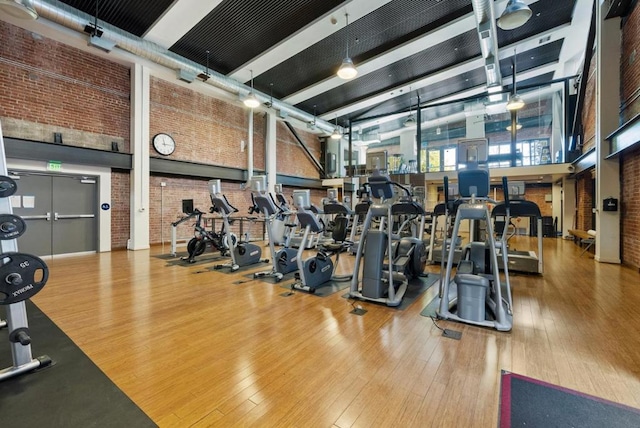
point(7, 186)
point(11, 226)
point(18, 277)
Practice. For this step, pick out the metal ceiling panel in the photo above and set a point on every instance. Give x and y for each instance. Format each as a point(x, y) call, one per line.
point(134, 17)
point(446, 87)
point(431, 60)
point(533, 58)
point(547, 14)
point(380, 31)
point(239, 30)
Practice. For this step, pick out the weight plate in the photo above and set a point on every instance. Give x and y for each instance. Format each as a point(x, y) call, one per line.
point(22, 276)
point(7, 186)
point(11, 226)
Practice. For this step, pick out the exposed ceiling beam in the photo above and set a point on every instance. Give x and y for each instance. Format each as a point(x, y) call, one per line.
point(558, 33)
point(178, 20)
point(320, 29)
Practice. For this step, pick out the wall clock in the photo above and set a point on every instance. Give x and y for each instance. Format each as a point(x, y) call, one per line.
point(164, 144)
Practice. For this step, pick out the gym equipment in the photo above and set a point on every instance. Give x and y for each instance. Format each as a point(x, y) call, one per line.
point(204, 239)
point(24, 276)
point(285, 259)
point(21, 277)
point(387, 282)
point(242, 253)
point(318, 270)
point(359, 213)
point(476, 285)
point(11, 226)
point(8, 186)
point(521, 261)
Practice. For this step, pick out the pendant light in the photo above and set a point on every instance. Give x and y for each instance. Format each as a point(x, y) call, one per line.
point(410, 120)
point(22, 9)
point(347, 70)
point(518, 127)
point(515, 15)
point(336, 135)
point(251, 101)
point(515, 102)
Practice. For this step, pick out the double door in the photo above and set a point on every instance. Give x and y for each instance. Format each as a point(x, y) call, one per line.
point(60, 213)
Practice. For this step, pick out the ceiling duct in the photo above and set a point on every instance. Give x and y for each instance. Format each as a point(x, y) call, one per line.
point(63, 14)
point(488, 37)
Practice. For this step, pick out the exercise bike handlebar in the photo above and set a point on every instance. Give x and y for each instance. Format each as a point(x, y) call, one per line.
point(196, 213)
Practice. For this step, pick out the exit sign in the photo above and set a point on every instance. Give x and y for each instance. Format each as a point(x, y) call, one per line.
point(54, 166)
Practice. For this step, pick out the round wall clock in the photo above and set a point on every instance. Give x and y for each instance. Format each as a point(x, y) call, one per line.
point(164, 144)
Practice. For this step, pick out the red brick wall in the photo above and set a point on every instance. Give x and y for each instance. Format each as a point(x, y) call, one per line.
point(47, 83)
point(120, 209)
point(630, 208)
point(584, 205)
point(589, 110)
point(630, 65)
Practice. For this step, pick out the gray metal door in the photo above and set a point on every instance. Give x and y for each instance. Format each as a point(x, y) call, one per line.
point(60, 212)
point(74, 214)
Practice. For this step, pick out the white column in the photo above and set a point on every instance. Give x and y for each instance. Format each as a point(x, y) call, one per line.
point(568, 205)
point(608, 51)
point(250, 146)
point(270, 150)
point(139, 234)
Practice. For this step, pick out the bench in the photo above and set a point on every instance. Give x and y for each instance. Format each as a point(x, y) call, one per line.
point(583, 237)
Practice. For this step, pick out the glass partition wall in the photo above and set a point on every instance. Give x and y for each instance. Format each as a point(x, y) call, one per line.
point(539, 138)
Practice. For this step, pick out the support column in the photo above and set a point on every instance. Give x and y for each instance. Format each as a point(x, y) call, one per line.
point(568, 205)
point(139, 186)
point(271, 150)
point(608, 51)
point(250, 145)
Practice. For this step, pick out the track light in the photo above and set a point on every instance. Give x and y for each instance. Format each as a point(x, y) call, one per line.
point(347, 70)
point(22, 9)
point(251, 101)
point(515, 15)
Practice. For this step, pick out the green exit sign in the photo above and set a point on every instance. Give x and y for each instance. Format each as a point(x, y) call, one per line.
point(54, 166)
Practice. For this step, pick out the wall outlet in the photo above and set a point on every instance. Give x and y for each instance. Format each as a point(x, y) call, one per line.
point(242, 145)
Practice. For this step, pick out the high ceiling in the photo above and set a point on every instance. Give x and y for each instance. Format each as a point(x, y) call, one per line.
point(429, 48)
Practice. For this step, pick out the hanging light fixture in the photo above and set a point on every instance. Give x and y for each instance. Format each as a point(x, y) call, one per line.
point(515, 102)
point(336, 135)
point(518, 127)
point(251, 101)
point(515, 15)
point(22, 9)
point(347, 70)
point(410, 120)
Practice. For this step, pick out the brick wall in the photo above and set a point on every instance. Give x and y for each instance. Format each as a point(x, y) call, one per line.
point(589, 110)
point(630, 162)
point(120, 209)
point(48, 87)
point(630, 65)
point(584, 203)
point(630, 208)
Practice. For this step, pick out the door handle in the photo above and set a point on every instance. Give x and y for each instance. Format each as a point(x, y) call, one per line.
point(68, 216)
point(55, 216)
point(37, 217)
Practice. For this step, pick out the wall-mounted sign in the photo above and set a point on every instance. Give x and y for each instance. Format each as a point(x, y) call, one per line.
point(105, 206)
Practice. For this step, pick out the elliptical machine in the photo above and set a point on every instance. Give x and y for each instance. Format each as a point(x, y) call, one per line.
point(380, 282)
point(242, 253)
point(285, 259)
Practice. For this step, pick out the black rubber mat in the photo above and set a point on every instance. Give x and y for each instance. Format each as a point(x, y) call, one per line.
point(73, 392)
point(532, 403)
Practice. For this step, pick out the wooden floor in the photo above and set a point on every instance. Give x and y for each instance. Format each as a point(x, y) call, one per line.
point(201, 349)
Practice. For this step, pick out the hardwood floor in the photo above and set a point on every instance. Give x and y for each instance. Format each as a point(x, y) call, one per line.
point(209, 349)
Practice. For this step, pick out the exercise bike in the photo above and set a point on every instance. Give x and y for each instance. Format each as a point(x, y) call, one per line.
point(318, 270)
point(285, 259)
point(242, 253)
point(204, 239)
